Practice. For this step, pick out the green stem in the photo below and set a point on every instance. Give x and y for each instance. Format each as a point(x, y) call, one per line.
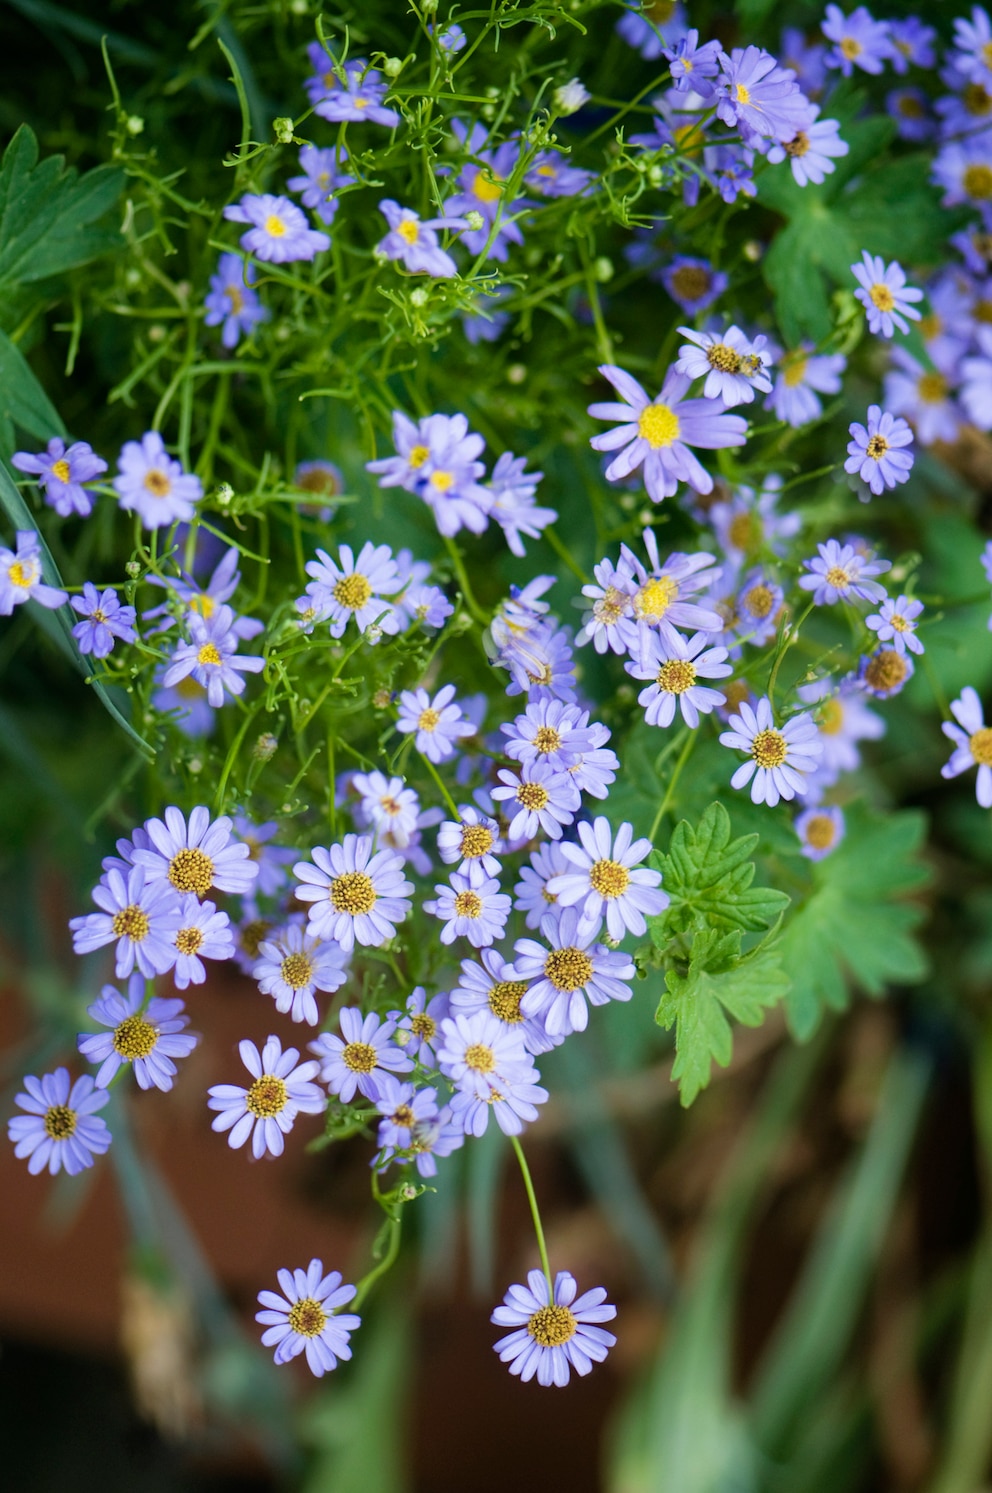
point(444, 792)
point(464, 583)
point(535, 1214)
point(386, 1263)
point(789, 636)
point(683, 758)
point(560, 550)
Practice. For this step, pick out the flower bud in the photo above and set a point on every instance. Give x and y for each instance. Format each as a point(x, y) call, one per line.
point(132, 570)
point(135, 124)
point(475, 220)
point(265, 747)
point(282, 128)
point(603, 269)
point(418, 297)
point(569, 97)
point(392, 67)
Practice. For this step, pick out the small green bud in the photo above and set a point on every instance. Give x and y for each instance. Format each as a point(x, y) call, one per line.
point(753, 250)
point(475, 220)
point(516, 373)
point(283, 128)
point(224, 494)
point(392, 67)
point(418, 297)
point(603, 269)
point(265, 747)
point(135, 124)
point(132, 570)
point(195, 765)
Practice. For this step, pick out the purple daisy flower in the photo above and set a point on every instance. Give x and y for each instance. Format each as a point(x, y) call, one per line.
point(418, 1024)
point(843, 720)
point(147, 1037)
point(805, 59)
point(61, 1128)
point(272, 860)
point(802, 375)
point(777, 759)
point(292, 965)
point(266, 1111)
point(471, 840)
point(307, 1318)
point(858, 40)
point(972, 745)
point(347, 588)
point(661, 432)
point(153, 484)
point(693, 283)
point(212, 658)
point(651, 29)
point(910, 108)
point(841, 573)
point(611, 597)
point(820, 831)
point(437, 725)
point(321, 180)
point(358, 98)
point(884, 294)
point(20, 576)
point(912, 41)
point(482, 183)
point(603, 876)
point(758, 97)
point(197, 856)
point(186, 703)
point(230, 302)
point(551, 175)
point(386, 804)
point(514, 508)
point(732, 364)
point(427, 605)
point(675, 665)
point(480, 1053)
point(203, 933)
point(278, 231)
point(492, 985)
point(539, 798)
point(885, 672)
point(105, 620)
point(964, 170)
point(62, 473)
point(553, 732)
point(660, 598)
point(692, 66)
point(972, 56)
point(403, 1108)
point(553, 1333)
point(895, 623)
point(201, 599)
point(142, 918)
point(567, 970)
point(531, 892)
point(875, 453)
point(355, 896)
point(812, 149)
point(759, 603)
point(413, 240)
point(923, 395)
point(472, 907)
point(356, 1062)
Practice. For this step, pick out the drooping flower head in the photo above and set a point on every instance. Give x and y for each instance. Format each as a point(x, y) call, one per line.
point(553, 1333)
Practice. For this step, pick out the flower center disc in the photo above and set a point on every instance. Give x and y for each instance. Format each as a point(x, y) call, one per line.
point(209, 654)
point(360, 1057)
point(877, 447)
point(723, 358)
point(189, 940)
point(547, 739)
point(60, 1122)
point(609, 878)
point(882, 297)
point(552, 1326)
point(476, 840)
point(423, 1026)
point(353, 893)
point(568, 969)
point(158, 483)
point(307, 1317)
point(769, 749)
point(191, 871)
point(504, 1000)
point(296, 971)
point(429, 720)
point(821, 832)
point(977, 181)
point(532, 796)
point(135, 1038)
point(353, 591)
point(480, 1058)
point(131, 922)
point(468, 905)
point(759, 601)
point(655, 597)
point(658, 425)
point(981, 746)
point(886, 670)
point(267, 1096)
point(676, 675)
point(61, 470)
point(838, 577)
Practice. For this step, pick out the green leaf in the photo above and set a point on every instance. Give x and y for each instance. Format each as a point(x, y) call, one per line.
point(23, 402)
point(708, 877)
point(853, 929)
point(717, 981)
point(49, 215)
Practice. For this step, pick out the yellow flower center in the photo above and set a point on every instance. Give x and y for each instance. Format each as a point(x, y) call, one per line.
point(203, 604)
point(676, 675)
point(403, 1116)
point(609, 878)
point(533, 796)
point(158, 483)
point(23, 575)
point(60, 1122)
point(838, 577)
point(417, 457)
point(655, 597)
point(882, 297)
point(831, 717)
point(468, 905)
point(821, 832)
point(899, 623)
point(850, 47)
point(691, 282)
point(723, 358)
point(487, 187)
point(360, 1057)
point(658, 425)
point(274, 226)
point(476, 840)
point(795, 371)
point(744, 531)
point(931, 387)
point(886, 670)
point(209, 653)
point(611, 605)
point(769, 749)
point(568, 968)
point(307, 1318)
point(551, 1326)
point(131, 922)
point(877, 447)
point(442, 481)
point(429, 719)
point(191, 871)
point(135, 1038)
point(296, 971)
point(479, 1058)
point(423, 1026)
point(759, 601)
point(977, 181)
point(504, 1000)
point(236, 298)
point(547, 740)
point(252, 935)
point(976, 99)
point(189, 940)
point(981, 746)
point(353, 591)
point(798, 145)
point(267, 1097)
point(353, 892)
point(61, 470)
point(743, 94)
point(409, 230)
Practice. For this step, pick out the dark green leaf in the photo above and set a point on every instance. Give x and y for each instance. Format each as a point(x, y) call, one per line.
point(23, 402)
point(49, 215)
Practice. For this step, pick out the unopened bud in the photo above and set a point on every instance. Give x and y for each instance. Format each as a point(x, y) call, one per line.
point(603, 269)
point(569, 97)
point(475, 220)
point(381, 699)
point(132, 570)
point(224, 494)
point(195, 765)
point(753, 250)
point(516, 373)
point(418, 297)
point(265, 747)
point(392, 67)
point(135, 124)
point(282, 128)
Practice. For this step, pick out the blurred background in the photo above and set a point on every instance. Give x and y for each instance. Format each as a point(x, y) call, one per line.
point(802, 1263)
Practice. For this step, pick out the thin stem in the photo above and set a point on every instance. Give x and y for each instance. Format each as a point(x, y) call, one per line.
point(560, 550)
point(789, 636)
point(437, 778)
point(535, 1214)
point(386, 1263)
point(683, 758)
point(464, 582)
